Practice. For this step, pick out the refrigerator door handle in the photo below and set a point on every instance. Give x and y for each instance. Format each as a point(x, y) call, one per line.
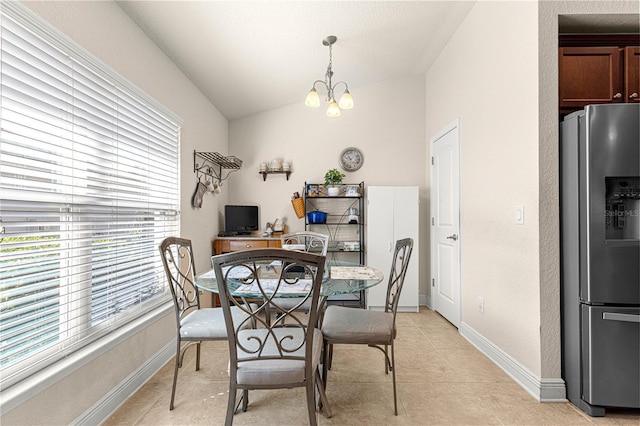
point(620, 317)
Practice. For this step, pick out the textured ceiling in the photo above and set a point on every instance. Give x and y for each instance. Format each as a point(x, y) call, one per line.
point(252, 56)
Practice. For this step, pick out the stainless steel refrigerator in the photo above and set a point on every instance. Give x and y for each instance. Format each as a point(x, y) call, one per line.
point(600, 235)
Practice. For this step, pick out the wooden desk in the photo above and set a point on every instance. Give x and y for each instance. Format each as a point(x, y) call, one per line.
point(242, 242)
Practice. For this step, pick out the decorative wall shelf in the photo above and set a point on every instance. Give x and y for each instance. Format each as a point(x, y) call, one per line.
point(265, 173)
point(213, 164)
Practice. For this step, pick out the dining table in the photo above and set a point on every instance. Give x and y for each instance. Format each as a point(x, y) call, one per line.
point(339, 277)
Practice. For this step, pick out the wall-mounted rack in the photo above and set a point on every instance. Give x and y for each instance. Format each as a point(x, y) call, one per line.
point(212, 164)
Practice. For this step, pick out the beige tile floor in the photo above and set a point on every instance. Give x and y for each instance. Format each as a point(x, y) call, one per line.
point(442, 380)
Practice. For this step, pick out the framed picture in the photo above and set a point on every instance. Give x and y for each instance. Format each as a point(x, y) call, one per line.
point(313, 190)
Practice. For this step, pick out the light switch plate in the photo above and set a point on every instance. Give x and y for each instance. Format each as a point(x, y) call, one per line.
point(519, 215)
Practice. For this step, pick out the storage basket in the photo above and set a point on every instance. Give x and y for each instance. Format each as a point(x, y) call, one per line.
point(298, 207)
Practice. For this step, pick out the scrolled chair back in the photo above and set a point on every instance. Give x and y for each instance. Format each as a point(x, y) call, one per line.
point(310, 241)
point(179, 267)
point(399, 265)
point(268, 274)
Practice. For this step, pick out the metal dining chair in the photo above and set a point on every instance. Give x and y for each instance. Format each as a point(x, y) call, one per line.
point(314, 242)
point(193, 323)
point(343, 325)
point(278, 353)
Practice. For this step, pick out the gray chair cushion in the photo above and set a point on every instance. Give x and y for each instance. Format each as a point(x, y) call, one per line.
point(276, 372)
point(289, 303)
point(208, 324)
point(358, 326)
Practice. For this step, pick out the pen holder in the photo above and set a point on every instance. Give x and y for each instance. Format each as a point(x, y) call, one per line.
point(298, 207)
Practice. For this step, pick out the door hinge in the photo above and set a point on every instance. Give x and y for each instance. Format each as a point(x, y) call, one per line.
point(433, 282)
point(433, 221)
point(432, 161)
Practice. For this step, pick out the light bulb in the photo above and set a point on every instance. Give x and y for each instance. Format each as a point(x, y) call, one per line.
point(346, 101)
point(313, 100)
point(333, 110)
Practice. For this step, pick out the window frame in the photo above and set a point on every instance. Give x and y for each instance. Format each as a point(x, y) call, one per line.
point(40, 28)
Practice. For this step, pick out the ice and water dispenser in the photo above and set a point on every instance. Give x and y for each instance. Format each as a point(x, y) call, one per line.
point(622, 211)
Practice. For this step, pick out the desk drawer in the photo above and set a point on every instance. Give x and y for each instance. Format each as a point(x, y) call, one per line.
point(236, 245)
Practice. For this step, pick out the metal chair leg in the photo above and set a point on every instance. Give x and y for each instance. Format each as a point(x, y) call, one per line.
point(311, 402)
point(245, 400)
point(198, 356)
point(393, 373)
point(231, 406)
point(325, 363)
point(324, 402)
point(175, 375)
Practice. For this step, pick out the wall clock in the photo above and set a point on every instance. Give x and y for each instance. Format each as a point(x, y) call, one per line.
point(351, 159)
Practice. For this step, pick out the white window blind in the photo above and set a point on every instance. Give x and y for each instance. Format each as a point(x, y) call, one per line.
point(88, 190)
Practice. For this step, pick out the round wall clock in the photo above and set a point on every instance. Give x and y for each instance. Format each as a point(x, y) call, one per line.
point(351, 159)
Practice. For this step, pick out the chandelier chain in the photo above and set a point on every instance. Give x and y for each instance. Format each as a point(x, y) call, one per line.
point(329, 75)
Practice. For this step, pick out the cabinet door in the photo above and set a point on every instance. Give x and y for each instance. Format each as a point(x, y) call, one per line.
point(590, 75)
point(406, 224)
point(392, 214)
point(379, 240)
point(632, 74)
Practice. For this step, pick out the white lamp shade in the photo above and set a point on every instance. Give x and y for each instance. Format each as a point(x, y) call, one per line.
point(333, 110)
point(346, 101)
point(313, 100)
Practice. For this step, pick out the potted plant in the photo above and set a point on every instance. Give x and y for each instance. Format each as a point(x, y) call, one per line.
point(332, 181)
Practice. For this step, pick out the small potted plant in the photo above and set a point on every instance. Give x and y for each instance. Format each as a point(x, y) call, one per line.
point(332, 181)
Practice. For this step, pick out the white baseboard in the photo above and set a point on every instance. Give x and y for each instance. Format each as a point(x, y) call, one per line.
point(425, 300)
point(119, 394)
point(544, 390)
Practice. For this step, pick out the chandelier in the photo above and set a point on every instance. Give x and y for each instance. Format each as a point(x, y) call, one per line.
point(313, 100)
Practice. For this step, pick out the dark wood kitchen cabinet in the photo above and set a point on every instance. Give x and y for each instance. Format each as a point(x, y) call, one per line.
point(598, 69)
point(590, 75)
point(632, 74)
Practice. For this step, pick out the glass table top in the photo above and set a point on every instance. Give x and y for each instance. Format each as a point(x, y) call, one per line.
point(339, 278)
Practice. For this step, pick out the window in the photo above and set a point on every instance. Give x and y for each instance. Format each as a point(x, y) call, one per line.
point(88, 189)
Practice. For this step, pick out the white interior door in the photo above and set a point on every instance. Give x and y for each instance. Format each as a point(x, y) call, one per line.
point(445, 222)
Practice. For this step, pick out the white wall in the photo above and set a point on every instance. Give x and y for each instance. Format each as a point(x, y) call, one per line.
point(487, 76)
point(500, 77)
point(104, 30)
point(386, 123)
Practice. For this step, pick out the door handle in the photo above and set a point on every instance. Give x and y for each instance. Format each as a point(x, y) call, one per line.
point(613, 316)
point(453, 237)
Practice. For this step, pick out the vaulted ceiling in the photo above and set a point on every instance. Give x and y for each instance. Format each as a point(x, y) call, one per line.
point(252, 56)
